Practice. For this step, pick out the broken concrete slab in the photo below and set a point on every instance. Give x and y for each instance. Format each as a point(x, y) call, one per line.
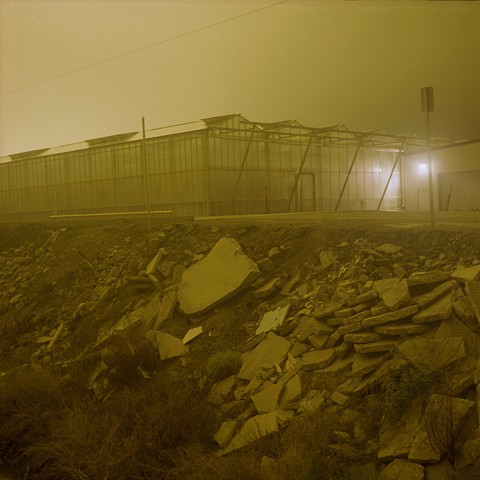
point(437, 293)
point(431, 354)
point(376, 347)
point(440, 310)
point(466, 274)
point(270, 351)
point(442, 418)
point(317, 359)
point(221, 274)
point(397, 436)
point(267, 399)
point(169, 346)
point(272, 319)
point(473, 291)
point(191, 334)
point(311, 326)
point(252, 430)
point(390, 316)
point(402, 470)
point(397, 295)
point(225, 433)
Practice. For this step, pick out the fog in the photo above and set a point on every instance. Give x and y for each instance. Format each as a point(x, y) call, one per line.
point(72, 71)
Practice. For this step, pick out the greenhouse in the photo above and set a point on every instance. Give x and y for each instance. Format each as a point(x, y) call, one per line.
point(223, 165)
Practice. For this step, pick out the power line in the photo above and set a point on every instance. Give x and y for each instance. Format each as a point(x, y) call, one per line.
point(141, 49)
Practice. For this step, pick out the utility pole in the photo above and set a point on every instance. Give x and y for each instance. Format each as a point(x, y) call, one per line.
point(427, 107)
point(145, 176)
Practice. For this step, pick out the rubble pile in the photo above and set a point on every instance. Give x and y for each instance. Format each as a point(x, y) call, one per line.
point(326, 323)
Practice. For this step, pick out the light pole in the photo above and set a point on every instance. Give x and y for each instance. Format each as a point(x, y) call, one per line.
point(427, 107)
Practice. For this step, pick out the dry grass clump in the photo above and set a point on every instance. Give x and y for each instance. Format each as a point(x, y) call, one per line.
point(29, 401)
point(138, 433)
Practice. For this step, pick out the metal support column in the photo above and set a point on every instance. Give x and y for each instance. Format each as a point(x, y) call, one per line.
point(298, 173)
point(354, 159)
point(242, 166)
point(397, 158)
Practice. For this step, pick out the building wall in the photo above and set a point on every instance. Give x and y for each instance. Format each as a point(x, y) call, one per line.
point(456, 166)
point(232, 167)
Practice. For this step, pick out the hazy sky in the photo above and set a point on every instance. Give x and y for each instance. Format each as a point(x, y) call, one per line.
point(356, 63)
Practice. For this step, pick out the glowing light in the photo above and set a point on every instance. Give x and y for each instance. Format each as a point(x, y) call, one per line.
point(423, 168)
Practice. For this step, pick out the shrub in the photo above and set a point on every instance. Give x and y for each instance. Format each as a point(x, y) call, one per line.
point(223, 364)
point(399, 390)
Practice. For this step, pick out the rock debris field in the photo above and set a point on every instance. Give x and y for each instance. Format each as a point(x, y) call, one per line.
point(318, 319)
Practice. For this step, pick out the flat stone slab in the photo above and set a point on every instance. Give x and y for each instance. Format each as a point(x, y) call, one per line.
point(363, 364)
point(192, 334)
point(363, 298)
point(358, 317)
point(225, 433)
point(375, 347)
point(292, 390)
point(396, 437)
point(426, 278)
point(268, 289)
point(272, 320)
point(402, 470)
point(464, 310)
point(166, 309)
point(401, 330)
point(389, 248)
point(473, 292)
point(440, 310)
point(397, 295)
point(271, 350)
point(466, 274)
point(431, 354)
point(311, 326)
point(267, 400)
point(317, 359)
point(390, 316)
point(436, 293)
point(339, 365)
point(367, 337)
point(443, 416)
point(252, 430)
point(170, 346)
point(220, 390)
point(221, 274)
point(384, 284)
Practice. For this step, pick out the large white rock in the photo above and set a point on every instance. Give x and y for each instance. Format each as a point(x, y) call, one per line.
point(222, 273)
